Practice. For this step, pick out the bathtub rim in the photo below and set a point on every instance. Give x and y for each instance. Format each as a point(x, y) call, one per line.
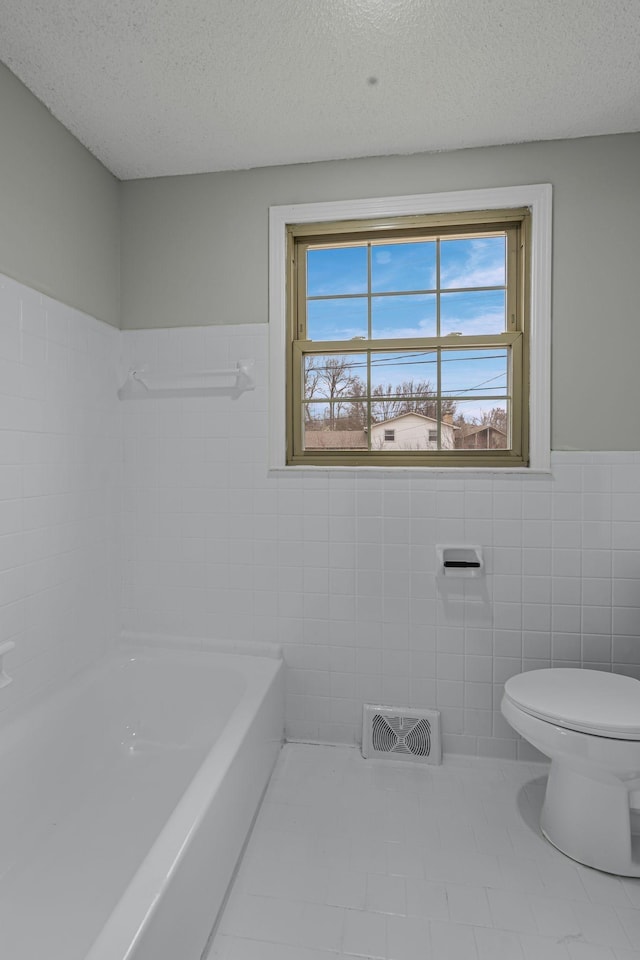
point(124, 928)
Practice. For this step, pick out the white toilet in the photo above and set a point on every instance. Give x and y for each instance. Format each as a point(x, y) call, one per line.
point(588, 723)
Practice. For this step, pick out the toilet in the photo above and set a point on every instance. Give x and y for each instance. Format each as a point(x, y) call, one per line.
point(588, 723)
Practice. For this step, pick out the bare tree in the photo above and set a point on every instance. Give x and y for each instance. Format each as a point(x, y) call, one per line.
point(332, 378)
point(411, 396)
point(496, 417)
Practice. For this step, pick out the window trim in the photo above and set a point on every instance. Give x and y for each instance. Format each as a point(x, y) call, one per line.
point(538, 197)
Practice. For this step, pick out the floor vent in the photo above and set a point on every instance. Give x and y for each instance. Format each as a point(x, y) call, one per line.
point(401, 734)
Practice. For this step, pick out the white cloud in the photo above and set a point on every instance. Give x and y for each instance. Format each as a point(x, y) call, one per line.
point(475, 326)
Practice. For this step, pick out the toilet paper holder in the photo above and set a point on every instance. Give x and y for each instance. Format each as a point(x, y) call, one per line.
point(460, 561)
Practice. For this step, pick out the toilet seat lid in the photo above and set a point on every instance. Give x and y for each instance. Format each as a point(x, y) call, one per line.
point(590, 701)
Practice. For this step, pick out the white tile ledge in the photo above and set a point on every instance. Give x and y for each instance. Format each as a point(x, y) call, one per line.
point(245, 648)
point(431, 471)
point(558, 457)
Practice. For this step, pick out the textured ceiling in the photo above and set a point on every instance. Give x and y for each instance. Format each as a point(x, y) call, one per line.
point(155, 87)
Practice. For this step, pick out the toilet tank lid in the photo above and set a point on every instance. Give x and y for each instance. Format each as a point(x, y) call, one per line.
point(591, 701)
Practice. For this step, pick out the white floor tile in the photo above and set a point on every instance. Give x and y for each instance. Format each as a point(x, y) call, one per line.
point(238, 948)
point(520, 875)
point(386, 894)
point(555, 917)
point(493, 839)
point(630, 920)
point(469, 904)
point(449, 941)
point(320, 926)
point(511, 911)
point(599, 923)
point(404, 860)
point(632, 890)
point(561, 878)
point(497, 944)
point(408, 938)
point(589, 951)
point(625, 954)
point(353, 858)
point(543, 948)
point(293, 881)
point(427, 900)
point(365, 934)
point(605, 888)
point(347, 888)
point(262, 918)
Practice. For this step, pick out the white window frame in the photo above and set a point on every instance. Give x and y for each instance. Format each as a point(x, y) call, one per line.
point(538, 197)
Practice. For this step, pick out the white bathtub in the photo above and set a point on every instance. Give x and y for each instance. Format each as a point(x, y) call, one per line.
point(125, 800)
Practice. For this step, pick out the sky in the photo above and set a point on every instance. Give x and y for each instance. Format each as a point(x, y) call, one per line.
point(399, 270)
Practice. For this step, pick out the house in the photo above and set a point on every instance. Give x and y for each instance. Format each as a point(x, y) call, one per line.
point(407, 431)
point(487, 437)
point(412, 431)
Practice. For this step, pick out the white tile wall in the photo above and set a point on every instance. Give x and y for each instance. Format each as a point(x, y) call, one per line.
point(60, 470)
point(340, 567)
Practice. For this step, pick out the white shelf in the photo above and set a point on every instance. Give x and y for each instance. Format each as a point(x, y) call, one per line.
point(223, 381)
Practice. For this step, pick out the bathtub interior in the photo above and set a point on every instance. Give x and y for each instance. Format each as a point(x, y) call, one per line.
point(111, 756)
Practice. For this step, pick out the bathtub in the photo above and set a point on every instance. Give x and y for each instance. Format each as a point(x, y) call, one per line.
point(125, 801)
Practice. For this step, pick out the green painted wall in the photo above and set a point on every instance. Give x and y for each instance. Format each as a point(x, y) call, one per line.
point(195, 251)
point(59, 208)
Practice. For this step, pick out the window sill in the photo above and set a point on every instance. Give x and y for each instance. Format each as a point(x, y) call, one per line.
point(468, 472)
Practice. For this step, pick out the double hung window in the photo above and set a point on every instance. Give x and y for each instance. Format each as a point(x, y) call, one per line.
point(408, 340)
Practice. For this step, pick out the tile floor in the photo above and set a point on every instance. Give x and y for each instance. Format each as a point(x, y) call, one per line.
point(354, 858)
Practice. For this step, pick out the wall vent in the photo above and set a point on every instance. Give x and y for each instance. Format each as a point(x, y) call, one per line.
point(401, 734)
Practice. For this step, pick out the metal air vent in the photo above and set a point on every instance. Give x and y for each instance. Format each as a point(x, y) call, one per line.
point(401, 734)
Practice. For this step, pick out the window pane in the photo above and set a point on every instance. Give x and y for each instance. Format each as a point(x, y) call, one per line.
point(335, 426)
point(410, 372)
point(336, 270)
point(403, 266)
point(474, 372)
point(334, 376)
point(405, 316)
point(472, 314)
point(403, 394)
point(482, 425)
point(337, 319)
point(476, 262)
point(403, 431)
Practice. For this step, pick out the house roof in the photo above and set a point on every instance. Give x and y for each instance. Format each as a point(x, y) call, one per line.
point(470, 431)
point(401, 416)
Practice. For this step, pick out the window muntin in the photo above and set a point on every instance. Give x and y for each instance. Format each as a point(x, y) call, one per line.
point(425, 323)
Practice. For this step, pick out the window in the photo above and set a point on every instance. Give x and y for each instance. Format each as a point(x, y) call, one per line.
point(405, 338)
point(421, 321)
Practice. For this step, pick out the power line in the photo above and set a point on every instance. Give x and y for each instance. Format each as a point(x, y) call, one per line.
point(401, 363)
point(387, 361)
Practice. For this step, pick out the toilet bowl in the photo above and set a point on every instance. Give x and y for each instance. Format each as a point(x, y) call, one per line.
point(588, 723)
